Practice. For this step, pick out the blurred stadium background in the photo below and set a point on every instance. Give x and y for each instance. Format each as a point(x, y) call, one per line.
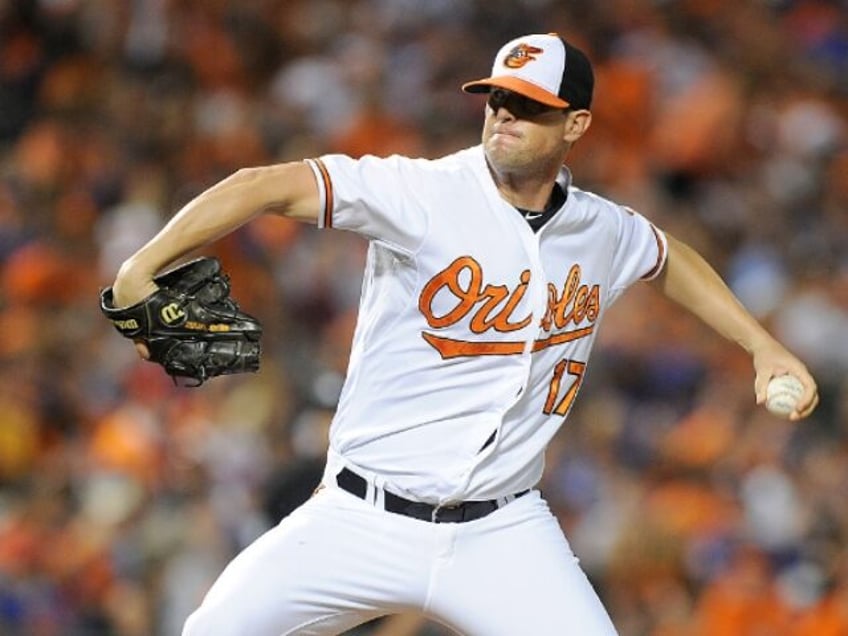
point(693, 511)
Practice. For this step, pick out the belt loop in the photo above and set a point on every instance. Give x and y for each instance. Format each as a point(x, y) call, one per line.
point(373, 490)
point(379, 500)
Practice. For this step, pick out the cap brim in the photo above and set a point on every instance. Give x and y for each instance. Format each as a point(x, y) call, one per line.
point(516, 85)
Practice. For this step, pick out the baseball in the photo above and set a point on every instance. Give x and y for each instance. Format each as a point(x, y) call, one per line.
point(782, 394)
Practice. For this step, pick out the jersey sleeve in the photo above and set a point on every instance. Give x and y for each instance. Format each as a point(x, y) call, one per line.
point(372, 196)
point(640, 252)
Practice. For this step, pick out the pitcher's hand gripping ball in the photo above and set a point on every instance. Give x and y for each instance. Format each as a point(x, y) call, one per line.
point(190, 325)
point(782, 395)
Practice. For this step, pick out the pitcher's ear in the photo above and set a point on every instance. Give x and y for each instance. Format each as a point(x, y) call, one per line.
point(577, 123)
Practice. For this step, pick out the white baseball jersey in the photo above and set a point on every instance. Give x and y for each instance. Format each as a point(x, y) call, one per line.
point(474, 332)
point(471, 344)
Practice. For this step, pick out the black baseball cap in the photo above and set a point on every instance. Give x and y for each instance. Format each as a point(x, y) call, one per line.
point(543, 67)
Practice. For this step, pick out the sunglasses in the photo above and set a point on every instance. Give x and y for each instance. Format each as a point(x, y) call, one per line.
point(519, 105)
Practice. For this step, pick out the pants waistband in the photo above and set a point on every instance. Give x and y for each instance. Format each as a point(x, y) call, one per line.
point(454, 513)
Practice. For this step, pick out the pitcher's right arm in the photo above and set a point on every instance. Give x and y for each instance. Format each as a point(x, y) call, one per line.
point(287, 189)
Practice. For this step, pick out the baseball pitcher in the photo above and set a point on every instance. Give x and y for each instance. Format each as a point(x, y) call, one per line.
point(487, 278)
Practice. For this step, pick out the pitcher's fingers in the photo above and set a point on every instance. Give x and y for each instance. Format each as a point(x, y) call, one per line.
point(142, 350)
point(806, 407)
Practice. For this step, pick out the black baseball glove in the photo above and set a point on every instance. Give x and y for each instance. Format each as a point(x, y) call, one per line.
point(190, 324)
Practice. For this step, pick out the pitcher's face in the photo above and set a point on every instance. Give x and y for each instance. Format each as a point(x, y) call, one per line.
point(520, 133)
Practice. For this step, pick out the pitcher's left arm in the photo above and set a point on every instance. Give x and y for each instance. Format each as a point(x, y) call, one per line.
point(691, 282)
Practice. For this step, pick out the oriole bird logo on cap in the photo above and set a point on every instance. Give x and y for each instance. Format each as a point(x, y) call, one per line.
point(521, 55)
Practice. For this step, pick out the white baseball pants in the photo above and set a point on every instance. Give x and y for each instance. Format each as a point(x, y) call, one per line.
point(337, 562)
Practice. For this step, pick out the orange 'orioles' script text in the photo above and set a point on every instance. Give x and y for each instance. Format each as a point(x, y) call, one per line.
point(491, 307)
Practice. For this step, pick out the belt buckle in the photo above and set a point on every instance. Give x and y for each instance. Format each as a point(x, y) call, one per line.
point(434, 516)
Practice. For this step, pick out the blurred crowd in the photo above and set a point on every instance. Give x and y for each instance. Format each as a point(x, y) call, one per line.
point(693, 511)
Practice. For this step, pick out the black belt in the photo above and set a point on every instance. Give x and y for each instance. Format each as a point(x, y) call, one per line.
point(454, 513)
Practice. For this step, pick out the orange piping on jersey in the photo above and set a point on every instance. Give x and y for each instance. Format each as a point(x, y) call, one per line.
point(328, 193)
point(660, 256)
